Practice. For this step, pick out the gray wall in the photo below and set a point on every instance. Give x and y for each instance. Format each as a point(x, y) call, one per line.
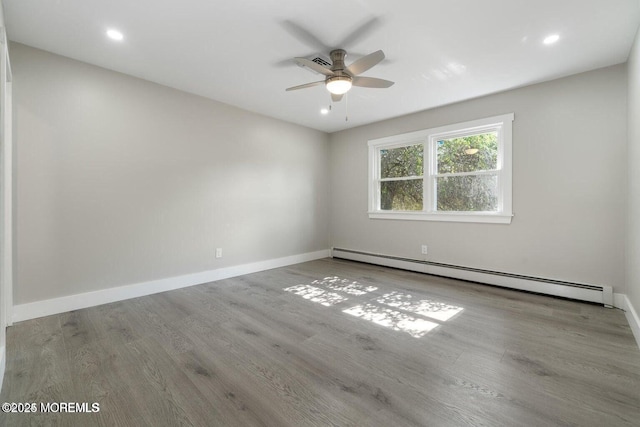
point(633, 233)
point(569, 185)
point(121, 181)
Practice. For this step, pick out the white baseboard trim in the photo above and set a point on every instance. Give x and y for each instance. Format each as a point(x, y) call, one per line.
point(43, 308)
point(3, 364)
point(623, 302)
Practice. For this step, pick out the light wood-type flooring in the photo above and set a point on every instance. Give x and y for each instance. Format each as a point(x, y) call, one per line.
point(329, 343)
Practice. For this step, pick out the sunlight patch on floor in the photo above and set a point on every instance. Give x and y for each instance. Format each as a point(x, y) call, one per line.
point(316, 294)
point(398, 311)
point(344, 285)
point(392, 319)
point(429, 308)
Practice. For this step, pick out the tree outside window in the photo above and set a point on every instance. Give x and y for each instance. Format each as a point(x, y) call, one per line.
point(467, 178)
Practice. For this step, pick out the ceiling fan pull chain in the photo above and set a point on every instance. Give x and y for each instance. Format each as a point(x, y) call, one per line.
point(346, 107)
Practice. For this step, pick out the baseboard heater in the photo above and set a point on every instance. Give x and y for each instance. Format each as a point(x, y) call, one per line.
point(578, 291)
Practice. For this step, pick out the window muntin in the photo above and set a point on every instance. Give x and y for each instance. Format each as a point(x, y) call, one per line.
point(459, 172)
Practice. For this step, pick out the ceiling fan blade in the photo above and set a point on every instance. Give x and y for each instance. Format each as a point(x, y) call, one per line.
point(361, 32)
point(366, 62)
point(304, 36)
point(306, 85)
point(316, 67)
point(336, 98)
point(371, 82)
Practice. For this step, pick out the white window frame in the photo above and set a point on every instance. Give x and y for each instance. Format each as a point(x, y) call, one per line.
point(428, 137)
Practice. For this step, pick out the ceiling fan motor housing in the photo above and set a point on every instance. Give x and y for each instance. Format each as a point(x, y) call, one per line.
point(340, 82)
point(337, 59)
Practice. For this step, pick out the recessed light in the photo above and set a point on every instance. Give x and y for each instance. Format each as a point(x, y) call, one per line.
point(551, 39)
point(115, 35)
point(324, 111)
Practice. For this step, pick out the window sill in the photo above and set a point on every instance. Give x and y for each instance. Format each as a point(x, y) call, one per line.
point(486, 218)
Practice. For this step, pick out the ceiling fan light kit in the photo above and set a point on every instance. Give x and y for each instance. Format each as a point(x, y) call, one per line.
point(338, 85)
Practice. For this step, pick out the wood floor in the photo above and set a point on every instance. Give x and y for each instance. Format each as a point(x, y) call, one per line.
point(330, 343)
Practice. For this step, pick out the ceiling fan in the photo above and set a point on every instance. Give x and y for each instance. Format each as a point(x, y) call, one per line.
point(340, 78)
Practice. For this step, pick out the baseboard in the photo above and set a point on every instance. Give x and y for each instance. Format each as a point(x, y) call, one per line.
point(3, 364)
point(623, 302)
point(43, 308)
point(579, 291)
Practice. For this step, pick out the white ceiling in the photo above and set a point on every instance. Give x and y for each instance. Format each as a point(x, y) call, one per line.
point(240, 52)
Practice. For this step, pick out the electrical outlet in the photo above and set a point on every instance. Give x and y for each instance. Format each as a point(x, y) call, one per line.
point(424, 249)
point(218, 252)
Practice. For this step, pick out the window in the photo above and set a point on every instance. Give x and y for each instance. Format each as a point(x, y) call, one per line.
point(460, 172)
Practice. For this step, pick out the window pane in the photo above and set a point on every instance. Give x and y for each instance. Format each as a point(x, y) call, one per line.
point(468, 154)
point(467, 193)
point(403, 161)
point(401, 195)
